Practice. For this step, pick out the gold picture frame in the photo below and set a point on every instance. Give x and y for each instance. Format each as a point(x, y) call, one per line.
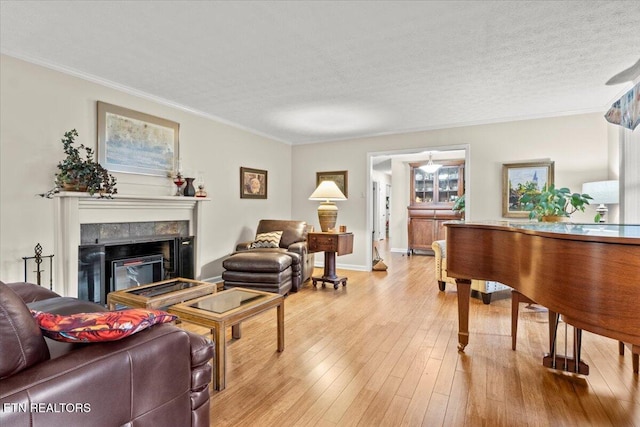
point(133, 142)
point(253, 183)
point(341, 178)
point(520, 177)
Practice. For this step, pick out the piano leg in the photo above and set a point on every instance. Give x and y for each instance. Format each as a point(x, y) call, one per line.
point(635, 354)
point(577, 347)
point(464, 291)
point(553, 327)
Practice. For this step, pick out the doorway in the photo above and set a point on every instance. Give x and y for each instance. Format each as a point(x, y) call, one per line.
point(389, 171)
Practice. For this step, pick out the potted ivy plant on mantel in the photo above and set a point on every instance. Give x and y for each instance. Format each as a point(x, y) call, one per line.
point(80, 172)
point(554, 204)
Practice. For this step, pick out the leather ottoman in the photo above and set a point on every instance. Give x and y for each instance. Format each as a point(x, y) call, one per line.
point(263, 271)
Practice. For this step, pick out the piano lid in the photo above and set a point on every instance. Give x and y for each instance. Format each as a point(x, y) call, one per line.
point(602, 230)
point(621, 233)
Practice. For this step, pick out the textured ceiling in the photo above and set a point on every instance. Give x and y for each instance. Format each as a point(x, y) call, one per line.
point(315, 71)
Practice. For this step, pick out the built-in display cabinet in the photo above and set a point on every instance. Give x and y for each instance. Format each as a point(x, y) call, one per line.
point(431, 202)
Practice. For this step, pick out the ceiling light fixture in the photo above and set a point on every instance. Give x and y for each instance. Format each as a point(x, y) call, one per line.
point(430, 167)
point(328, 119)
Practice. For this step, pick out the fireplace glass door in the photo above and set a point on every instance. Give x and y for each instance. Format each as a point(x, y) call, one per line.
point(136, 271)
point(103, 268)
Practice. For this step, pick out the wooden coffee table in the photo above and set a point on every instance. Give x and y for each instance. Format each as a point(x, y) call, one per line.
point(229, 308)
point(160, 294)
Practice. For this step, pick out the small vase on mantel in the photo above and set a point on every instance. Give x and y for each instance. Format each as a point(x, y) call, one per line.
point(189, 189)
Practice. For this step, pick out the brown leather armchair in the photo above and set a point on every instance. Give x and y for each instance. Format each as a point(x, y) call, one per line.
point(157, 377)
point(292, 242)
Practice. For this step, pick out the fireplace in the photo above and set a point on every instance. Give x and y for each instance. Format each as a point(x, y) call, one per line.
point(93, 235)
point(120, 257)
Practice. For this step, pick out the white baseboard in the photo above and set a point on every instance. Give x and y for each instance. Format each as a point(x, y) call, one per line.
point(353, 267)
point(400, 250)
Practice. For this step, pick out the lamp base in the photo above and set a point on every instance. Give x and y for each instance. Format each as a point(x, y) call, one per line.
point(602, 210)
point(327, 215)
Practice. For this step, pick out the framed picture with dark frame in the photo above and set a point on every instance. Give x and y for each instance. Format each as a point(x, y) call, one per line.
point(253, 183)
point(519, 178)
point(134, 142)
point(339, 177)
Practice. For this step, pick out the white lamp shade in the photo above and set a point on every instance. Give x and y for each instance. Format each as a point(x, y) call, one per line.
point(327, 190)
point(603, 192)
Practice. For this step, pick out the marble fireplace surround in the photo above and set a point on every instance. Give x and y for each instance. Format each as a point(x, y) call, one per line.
point(74, 209)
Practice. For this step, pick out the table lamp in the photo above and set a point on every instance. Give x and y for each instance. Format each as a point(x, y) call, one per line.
point(603, 193)
point(327, 192)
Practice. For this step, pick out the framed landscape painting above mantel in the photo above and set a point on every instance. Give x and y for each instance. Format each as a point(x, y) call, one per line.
point(134, 142)
point(518, 178)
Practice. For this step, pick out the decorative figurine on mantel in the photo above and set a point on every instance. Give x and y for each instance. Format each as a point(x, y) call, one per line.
point(201, 192)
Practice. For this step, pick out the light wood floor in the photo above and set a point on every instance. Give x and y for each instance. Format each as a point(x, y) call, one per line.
point(382, 352)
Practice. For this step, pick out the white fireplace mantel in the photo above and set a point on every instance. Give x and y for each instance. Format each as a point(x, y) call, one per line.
point(73, 209)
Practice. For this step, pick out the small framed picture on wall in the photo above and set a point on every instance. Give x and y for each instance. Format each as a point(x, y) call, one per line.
point(253, 183)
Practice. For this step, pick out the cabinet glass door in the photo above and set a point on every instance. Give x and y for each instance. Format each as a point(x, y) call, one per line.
point(448, 178)
point(423, 185)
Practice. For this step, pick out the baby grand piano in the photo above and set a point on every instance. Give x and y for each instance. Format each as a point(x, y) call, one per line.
point(589, 273)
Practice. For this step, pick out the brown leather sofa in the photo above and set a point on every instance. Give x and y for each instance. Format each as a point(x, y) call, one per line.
point(156, 377)
point(293, 243)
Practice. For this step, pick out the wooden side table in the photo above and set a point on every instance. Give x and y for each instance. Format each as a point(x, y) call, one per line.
point(331, 244)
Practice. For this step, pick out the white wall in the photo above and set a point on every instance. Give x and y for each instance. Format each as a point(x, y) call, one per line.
point(630, 179)
point(578, 144)
point(38, 105)
point(400, 187)
point(383, 180)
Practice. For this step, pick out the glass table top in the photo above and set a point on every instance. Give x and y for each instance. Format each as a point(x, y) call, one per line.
point(226, 301)
point(163, 288)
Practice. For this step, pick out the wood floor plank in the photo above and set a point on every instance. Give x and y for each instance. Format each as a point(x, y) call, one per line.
point(377, 408)
point(456, 413)
point(420, 399)
point(383, 351)
point(395, 412)
point(349, 393)
point(436, 410)
point(357, 409)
